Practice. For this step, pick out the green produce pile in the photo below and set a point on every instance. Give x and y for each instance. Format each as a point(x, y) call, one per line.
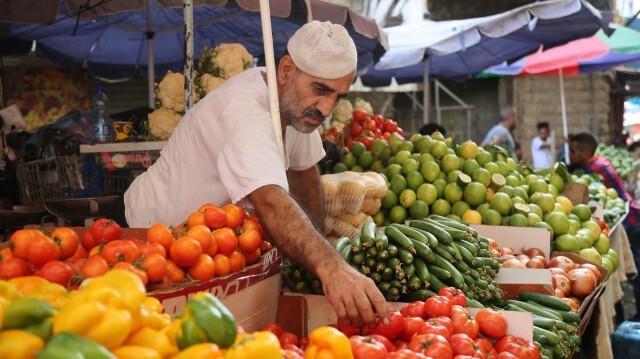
point(414, 262)
point(621, 159)
point(614, 206)
point(554, 324)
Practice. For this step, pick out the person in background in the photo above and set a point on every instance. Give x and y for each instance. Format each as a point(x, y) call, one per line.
point(518, 151)
point(582, 149)
point(542, 147)
point(500, 134)
point(633, 178)
point(430, 128)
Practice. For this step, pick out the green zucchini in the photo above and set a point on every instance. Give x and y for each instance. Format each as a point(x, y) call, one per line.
point(410, 270)
point(441, 273)
point(356, 245)
point(387, 274)
point(372, 252)
point(414, 283)
point(441, 235)
point(377, 277)
point(456, 234)
point(381, 241)
point(456, 277)
point(346, 253)
point(358, 259)
point(384, 287)
point(394, 263)
point(368, 233)
point(535, 309)
point(545, 300)
point(433, 241)
point(404, 256)
point(370, 262)
point(466, 255)
point(462, 267)
point(383, 255)
point(472, 248)
point(456, 252)
point(423, 251)
point(341, 243)
point(444, 253)
point(393, 250)
point(421, 270)
point(472, 303)
point(400, 239)
point(411, 233)
point(551, 338)
point(436, 284)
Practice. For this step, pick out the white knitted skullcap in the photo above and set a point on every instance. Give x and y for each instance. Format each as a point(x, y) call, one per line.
point(323, 50)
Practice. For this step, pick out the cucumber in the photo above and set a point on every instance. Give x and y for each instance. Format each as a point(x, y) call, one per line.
point(466, 255)
point(551, 338)
point(462, 267)
point(358, 259)
point(393, 293)
point(400, 239)
point(469, 281)
point(346, 253)
point(515, 308)
point(484, 253)
point(383, 255)
point(387, 274)
point(535, 309)
point(472, 248)
point(380, 266)
point(410, 270)
point(394, 263)
point(456, 277)
point(472, 303)
point(421, 271)
point(551, 324)
point(377, 277)
point(567, 316)
point(545, 300)
point(489, 262)
point(433, 241)
point(474, 273)
point(396, 284)
point(411, 233)
point(393, 250)
point(370, 262)
point(415, 283)
point(341, 243)
point(444, 253)
point(420, 295)
point(368, 233)
point(456, 252)
point(384, 287)
point(442, 274)
point(356, 245)
point(423, 251)
point(404, 256)
point(436, 284)
point(482, 284)
point(372, 252)
point(456, 234)
point(381, 241)
point(441, 235)
point(453, 224)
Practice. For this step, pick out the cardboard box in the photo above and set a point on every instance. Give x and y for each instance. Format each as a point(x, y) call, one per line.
point(301, 313)
point(576, 192)
point(514, 280)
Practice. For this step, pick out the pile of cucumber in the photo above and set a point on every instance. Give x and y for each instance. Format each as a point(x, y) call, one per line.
point(554, 324)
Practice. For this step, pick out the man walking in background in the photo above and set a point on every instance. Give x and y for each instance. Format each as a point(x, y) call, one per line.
point(500, 134)
point(542, 147)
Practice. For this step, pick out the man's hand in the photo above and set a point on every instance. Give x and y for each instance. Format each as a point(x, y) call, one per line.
point(352, 295)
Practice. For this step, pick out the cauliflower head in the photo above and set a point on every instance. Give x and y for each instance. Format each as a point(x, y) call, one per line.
point(209, 82)
point(343, 112)
point(162, 122)
point(171, 91)
point(232, 59)
point(363, 105)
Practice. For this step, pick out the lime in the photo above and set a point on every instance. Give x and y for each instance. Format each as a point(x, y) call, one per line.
point(398, 183)
point(468, 149)
point(594, 228)
point(419, 209)
point(582, 211)
point(414, 180)
point(454, 217)
point(378, 218)
point(519, 220)
point(377, 166)
point(536, 209)
point(378, 146)
point(366, 159)
point(357, 168)
point(557, 207)
point(398, 214)
point(503, 169)
point(419, 143)
point(469, 166)
point(471, 216)
point(557, 181)
point(602, 245)
point(552, 189)
point(425, 146)
point(482, 175)
point(475, 194)
point(592, 255)
point(521, 193)
point(612, 193)
point(349, 160)
point(438, 136)
point(339, 167)
point(407, 197)
point(483, 207)
point(483, 157)
point(491, 217)
point(545, 226)
point(464, 179)
point(389, 200)
point(392, 170)
point(385, 155)
point(406, 146)
point(517, 202)
point(497, 180)
point(513, 181)
point(425, 157)
point(430, 171)
point(427, 193)
point(409, 165)
point(574, 226)
point(510, 191)
point(502, 203)
point(452, 177)
point(546, 202)
point(440, 184)
point(559, 222)
point(401, 156)
point(357, 148)
point(538, 185)
point(530, 179)
point(459, 208)
point(416, 156)
point(438, 149)
point(450, 162)
point(533, 219)
point(453, 192)
point(441, 207)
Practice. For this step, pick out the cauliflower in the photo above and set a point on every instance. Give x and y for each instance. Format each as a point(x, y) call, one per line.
point(363, 105)
point(343, 113)
point(171, 91)
point(231, 59)
point(210, 83)
point(162, 122)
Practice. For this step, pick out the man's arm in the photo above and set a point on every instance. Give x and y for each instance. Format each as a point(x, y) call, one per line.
point(306, 188)
point(351, 294)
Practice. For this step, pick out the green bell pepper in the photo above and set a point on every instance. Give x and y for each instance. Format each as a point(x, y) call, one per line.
point(206, 319)
point(72, 346)
point(31, 315)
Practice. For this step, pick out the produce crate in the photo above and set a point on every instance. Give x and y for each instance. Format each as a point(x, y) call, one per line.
point(120, 169)
point(50, 178)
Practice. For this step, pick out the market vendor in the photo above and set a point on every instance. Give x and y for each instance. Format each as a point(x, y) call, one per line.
point(224, 150)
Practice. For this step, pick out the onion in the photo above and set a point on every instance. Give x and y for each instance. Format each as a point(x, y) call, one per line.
point(562, 262)
point(558, 293)
point(559, 271)
point(508, 256)
point(586, 271)
point(542, 259)
point(572, 302)
point(562, 283)
point(523, 258)
point(493, 244)
point(593, 270)
point(512, 263)
point(532, 252)
point(583, 282)
point(535, 263)
point(507, 250)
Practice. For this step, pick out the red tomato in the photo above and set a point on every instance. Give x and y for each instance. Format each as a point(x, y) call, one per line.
point(413, 325)
point(438, 326)
point(455, 295)
point(437, 306)
point(393, 329)
point(130, 268)
point(400, 131)
point(379, 121)
point(462, 323)
point(360, 116)
point(506, 355)
point(156, 266)
point(67, 239)
point(492, 323)
point(367, 348)
point(6, 253)
point(42, 250)
point(486, 347)
point(80, 253)
point(94, 266)
point(431, 345)
point(288, 338)
point(347, 328)
point(87, 240)
point(406, 354)
point(386, 342)
point(56, 272)
point(367, 142)
point(120, 250)
point(386, 135)
point(13, 268)
point(462, 345)
point(20, 241)
point(356, 129)
point(522, 349)
point(370, 124)
point(215, 217)
point(390, 126)
point(415, 309)
point(273, 328)
point(148, 249)
point(105, 230)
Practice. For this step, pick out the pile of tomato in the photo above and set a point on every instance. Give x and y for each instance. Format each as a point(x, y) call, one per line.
point(365, 128)
point(213, 242)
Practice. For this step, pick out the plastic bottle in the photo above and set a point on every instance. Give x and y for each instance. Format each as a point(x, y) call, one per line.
point(100, 107)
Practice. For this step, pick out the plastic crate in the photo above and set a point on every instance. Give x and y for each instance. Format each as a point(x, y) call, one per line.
point(50, 178)
point(626, 340)
point(116, 180)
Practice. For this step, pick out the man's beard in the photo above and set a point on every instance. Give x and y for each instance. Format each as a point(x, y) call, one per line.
point(310, 119)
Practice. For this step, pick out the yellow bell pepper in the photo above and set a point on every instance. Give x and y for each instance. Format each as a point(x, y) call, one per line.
point(264, 345)
point(18, 344)
point(150, 338)
point(202, 351)
point(147, 316)
point(40, 288)
point(171, 331)
point(130, 290)
point(328, 343)
point(136, 352)
point(8, 290)
point(106, 325)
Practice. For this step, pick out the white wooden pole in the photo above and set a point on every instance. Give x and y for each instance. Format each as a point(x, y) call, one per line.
point(563, 108)
point(274, 106)
point(188, 56)
point(426, 95)
point(150, 60)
